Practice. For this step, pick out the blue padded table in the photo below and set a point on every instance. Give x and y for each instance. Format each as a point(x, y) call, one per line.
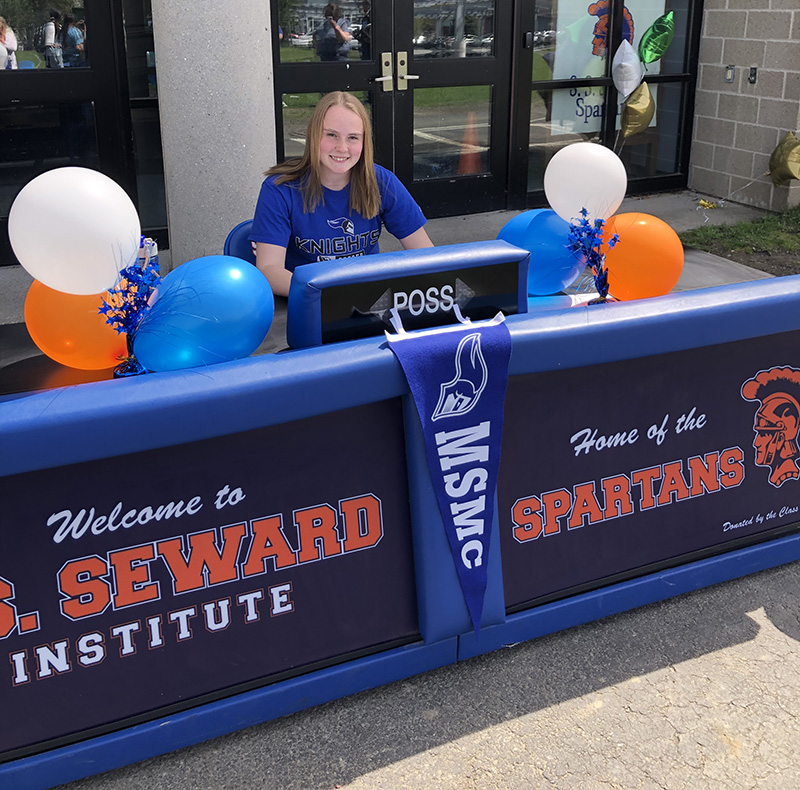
point(329, 302)
point(189, 553)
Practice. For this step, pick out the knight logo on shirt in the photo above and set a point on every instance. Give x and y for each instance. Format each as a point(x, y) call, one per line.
point(344, 223)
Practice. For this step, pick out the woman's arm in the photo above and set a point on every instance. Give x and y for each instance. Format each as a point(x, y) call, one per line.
point(341, 33)
point(417, 240)
point(271, 262)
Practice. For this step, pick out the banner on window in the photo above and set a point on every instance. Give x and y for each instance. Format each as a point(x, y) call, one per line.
point(581, 51)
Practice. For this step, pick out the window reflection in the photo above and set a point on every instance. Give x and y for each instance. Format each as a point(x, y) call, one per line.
point(36, 138)
point(654, 151)
point(33, 37)
point(556, 121)
point(149, 167)
point(145, 122)
point(139, 49)
point(573, 38)
point(318, 31)
point(451, 131)
point(454, 29)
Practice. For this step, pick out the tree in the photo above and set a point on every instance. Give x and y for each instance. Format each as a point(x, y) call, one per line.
point(287, 16)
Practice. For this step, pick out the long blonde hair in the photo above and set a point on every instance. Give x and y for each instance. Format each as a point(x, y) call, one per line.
point(365, 196)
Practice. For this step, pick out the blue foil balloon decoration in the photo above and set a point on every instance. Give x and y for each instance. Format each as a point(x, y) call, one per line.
point(545, 235)
point(209, 310)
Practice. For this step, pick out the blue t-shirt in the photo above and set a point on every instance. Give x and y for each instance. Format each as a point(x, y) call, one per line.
point(332, 230)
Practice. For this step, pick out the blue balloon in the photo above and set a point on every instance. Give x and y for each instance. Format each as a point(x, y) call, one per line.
point(546, 236)
point(209, 310)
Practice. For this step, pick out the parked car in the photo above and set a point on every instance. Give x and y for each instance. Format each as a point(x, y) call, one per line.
point(306, 40)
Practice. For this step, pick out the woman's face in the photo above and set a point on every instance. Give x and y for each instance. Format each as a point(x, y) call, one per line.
point(340, 146)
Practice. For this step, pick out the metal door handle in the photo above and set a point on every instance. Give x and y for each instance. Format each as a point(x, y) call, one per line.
point(386, 71)
point(402, 72)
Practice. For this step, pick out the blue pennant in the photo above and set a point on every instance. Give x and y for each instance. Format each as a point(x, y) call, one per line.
point(457, 375)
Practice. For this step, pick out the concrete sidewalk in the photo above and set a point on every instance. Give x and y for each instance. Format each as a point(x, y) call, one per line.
point(680, 210)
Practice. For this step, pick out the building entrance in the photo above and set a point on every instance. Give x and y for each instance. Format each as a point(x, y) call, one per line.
point(471, 98)
point(436, 75)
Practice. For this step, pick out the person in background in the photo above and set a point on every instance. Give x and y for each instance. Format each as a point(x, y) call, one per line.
point(9, 41)
point(81, 25)
point(71, 42)
point(364, 35)
point(333, 35)
point(331, 202)
point(52, 47)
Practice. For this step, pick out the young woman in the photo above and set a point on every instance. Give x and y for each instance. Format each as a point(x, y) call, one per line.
point(332, 201)
point(71, 42)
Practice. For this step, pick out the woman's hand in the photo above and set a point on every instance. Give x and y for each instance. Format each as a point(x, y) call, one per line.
point(342, 35)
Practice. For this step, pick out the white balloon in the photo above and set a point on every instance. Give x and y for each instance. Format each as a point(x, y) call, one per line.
point(626, 69)
point(74, 229)
point(585, 175)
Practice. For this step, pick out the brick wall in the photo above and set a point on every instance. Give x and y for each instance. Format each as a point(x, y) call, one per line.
point(738, 124)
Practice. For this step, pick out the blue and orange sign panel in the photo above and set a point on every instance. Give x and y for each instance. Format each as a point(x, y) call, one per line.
point(613, 470)
point(138, 584)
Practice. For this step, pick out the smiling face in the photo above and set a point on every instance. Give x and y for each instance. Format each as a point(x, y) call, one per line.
point(340, 146)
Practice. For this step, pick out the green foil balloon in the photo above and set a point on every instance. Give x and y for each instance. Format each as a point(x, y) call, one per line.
point(657, 38)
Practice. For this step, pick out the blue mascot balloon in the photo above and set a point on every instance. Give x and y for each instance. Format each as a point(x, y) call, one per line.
point(209, 310)
point(546, 236)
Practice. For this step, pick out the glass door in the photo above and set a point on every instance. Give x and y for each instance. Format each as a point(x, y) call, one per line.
point(59, 102)
point(437, 84)
point(452, 113)
point(564, 91)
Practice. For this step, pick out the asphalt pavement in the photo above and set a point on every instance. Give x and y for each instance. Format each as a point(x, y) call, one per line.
point(700, 691)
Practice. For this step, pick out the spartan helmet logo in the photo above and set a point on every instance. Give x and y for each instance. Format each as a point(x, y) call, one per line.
point(462, 392)
point(777, 421)
point(600, 32)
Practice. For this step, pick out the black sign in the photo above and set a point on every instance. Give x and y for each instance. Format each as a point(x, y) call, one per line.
point(362, 309)
point(614, 469)
point(137, 584)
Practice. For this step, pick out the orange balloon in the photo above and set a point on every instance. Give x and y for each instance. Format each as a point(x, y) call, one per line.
point(69, 329)
point(646, 261)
